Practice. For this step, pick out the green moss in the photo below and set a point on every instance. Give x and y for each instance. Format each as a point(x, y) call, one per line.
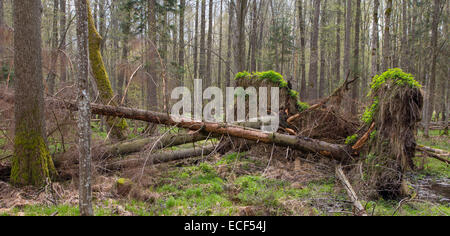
point(119, 126)
point(302, 106)
point(277, 79)
point(397, 76)
point(32, 163)
point(351, 140)
point(370, 111)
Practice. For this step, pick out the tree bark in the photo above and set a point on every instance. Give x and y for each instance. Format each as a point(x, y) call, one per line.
point(54, 54)
point(161, 158)
point(387, 53)
point(356, 68)
point(347, 47)
point(117, 126)
point(301, 19)
point(323, 39)
point(129, 147)
point(32, 163)
point(84, 113)
point(196, 40)
point(313, 68)
point(241, 8)
point(202, 63)
point(209, 80)
point(337, 68)
point(181, 43)
point(229, 80)
point(432, 82)
point(375, 40)
point(62, 30)
point(153, 61)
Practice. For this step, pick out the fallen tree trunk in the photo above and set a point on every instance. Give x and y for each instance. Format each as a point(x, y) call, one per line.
point(129, 147)
point(334, 151)
point(360, 211)
point(164, 157)
point(433, 150)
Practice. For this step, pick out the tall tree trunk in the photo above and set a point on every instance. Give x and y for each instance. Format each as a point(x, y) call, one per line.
point(62, 30)
point(301, 19)
point(219, 67)
point(181, 43)
point(405, 53)
point(313, 68)
point(54, 54)
point(125, 28)
point(323, 38)
point(356, 68)
point(84, 111)
point(196, 40)
point(209, 80)
point(229, 44)
point(202, 65)
point(434, 47)
point(375, 40)
point(118, 127)
point(241, 8)
point(153, 61)
point(387, 53)
point(337, 68)
point(32, 163)
point(347, 47)
point(1, 14)
point(254, 37)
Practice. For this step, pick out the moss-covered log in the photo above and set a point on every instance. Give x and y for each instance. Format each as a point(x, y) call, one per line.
point(118, 126)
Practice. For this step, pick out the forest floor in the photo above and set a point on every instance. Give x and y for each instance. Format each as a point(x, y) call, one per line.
point(240, 184)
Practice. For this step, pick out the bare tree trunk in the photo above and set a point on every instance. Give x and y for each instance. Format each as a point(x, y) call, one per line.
point(209, 80)
point(301, 19)
point(54, 55)
point(254, 37)
point(387, 53)
point(375, 40)
point(153, 61)
point(241, 8)
point(62, 30)
point(356, 68)
point(337, 68)
point(84, 112)
point(323, 38)
point(229, 80)
point(1, 14)
point(434, 47)
point(32, 163)
point(219, 69)
point(181, 43)
point(196, 40)
point(405, 53)
point(347, 47)
point(313, 68)
point(202, 65)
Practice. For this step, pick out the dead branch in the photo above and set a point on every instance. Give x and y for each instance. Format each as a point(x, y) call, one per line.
point(360, 211)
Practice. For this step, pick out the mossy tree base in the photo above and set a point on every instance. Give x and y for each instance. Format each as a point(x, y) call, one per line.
point(32, 163)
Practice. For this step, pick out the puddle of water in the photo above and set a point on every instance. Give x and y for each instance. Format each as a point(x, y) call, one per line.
point(438, 191)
